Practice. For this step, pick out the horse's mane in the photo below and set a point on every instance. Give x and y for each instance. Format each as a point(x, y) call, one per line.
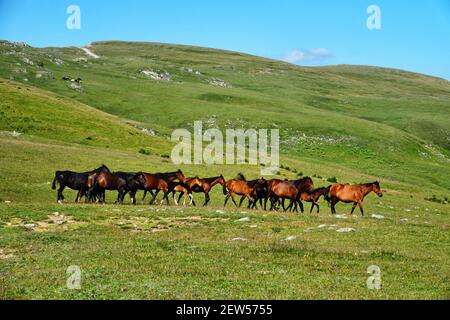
point(240, 176)
point(209, 180)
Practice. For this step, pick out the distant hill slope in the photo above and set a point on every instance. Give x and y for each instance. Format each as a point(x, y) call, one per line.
point(379, 121)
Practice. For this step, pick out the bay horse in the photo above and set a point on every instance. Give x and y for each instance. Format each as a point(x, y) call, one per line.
point(159, 182)
point(75, 181)
point(239, 187)
point(205, 186)
point(107, 181)
point(185, 188)
point(283, 189)
point(314, 197)
point(353, 194)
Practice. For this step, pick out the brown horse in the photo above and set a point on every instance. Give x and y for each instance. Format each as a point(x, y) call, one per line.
point(283, 189)
point(314, 197)
point(158, 182)
point(241, 188)
point(205, 186)
point(352, 194)
point(185, 188)
point(106, 181)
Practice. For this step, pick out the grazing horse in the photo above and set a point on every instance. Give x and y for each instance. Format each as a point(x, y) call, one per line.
point(75, 181)
point(158, 182)
point(240, 187)
point(107, 181)
point(314, 197)
point(352, 194)
point(185, 188)
point(205, 186)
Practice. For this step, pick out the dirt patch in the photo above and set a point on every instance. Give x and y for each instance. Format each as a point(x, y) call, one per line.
point(153, 225)
point(55, 221)
point(6, 254)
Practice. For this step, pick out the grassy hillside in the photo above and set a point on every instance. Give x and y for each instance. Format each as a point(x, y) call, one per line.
point(382, 122)
point(354, 123)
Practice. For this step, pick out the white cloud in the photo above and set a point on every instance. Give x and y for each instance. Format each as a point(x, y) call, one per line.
point(313, 55)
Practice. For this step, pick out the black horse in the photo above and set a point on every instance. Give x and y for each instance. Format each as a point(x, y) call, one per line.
point(132, 184)
point(75, 181)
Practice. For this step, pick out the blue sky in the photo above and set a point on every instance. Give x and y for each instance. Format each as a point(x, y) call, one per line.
point(414, 35)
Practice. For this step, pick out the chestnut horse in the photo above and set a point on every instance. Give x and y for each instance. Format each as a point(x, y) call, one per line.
point(205, 186)
point(240, 187)
point(352, 194)
point(314, 197)
point(158, 182)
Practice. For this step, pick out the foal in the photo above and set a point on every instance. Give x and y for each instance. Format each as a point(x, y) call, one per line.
point(314, 197)
point(185, 188)
point(205, 186)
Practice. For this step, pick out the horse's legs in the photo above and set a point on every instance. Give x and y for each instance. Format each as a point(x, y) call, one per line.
point(175, 198)
point(334, 201)
point(318, 208)
point(302, 209)
point(360, 204)
point(133, 196)
point(354, 207)
point(60, 196)
point(154, 197)
point(179, 197)
point(78, 195)
point(207, 199)
point(226, 200)
point(166, 196)
point(242, 200)
point(122, 193)
point(234, 201)
point(274, 203)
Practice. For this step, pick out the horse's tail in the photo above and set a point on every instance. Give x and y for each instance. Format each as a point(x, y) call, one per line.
point(55, 180)
point(327, 195)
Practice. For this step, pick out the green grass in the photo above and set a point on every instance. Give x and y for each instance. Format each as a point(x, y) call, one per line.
point(350, 123)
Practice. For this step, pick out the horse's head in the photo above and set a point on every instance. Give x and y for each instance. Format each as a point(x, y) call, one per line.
point(222, 180)
point(103, 168)
point(179, 175)
point(262, 182)
point(140, 178)
point(377, 189)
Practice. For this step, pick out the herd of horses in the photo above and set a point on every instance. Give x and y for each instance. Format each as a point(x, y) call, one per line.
point(93, 184)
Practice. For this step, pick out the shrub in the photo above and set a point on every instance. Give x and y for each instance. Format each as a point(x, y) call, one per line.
point(332, 179)
point(144, 151)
